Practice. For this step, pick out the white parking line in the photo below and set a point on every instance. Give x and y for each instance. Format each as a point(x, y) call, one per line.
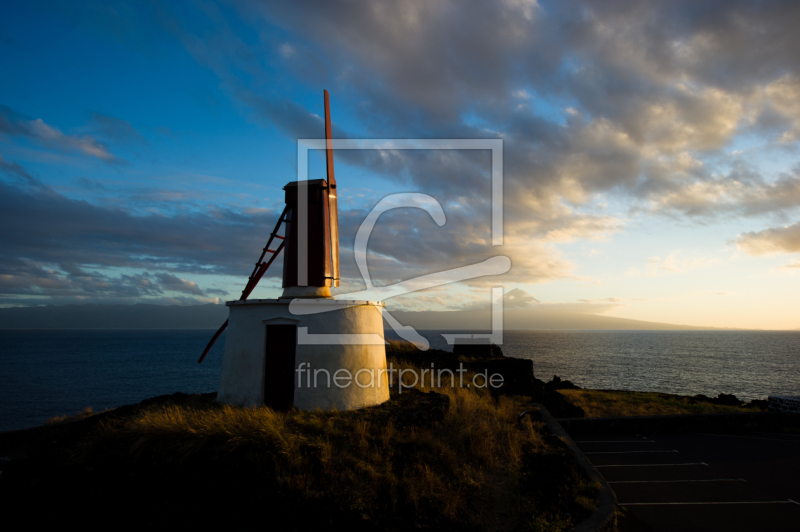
point(792, 437)
point(626, 452)
point(615, 441)
point(748, 437)
point(649, 465)
point(787, 501)
point(694, 480)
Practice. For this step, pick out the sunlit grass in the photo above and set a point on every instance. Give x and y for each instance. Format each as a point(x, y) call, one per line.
point(469, 468)
point(466, 467)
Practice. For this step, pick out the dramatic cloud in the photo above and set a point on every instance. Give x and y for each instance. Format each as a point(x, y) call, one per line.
point(609, 112)
point(590, 98)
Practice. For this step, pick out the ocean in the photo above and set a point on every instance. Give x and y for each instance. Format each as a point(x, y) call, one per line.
point(44, 373)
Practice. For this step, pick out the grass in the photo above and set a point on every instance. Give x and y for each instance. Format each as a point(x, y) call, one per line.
point(587, 494)
point(464, 467)
point(612, 403)
point(400, 348)
point(478, 468)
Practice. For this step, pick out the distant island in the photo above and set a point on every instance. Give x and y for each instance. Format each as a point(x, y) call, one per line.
point(91, 316)
point(211, 316)
point(535, 319)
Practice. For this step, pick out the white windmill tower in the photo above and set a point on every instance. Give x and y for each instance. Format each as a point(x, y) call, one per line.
point(328, 354)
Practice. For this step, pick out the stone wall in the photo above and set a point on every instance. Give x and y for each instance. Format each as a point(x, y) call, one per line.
point(789, 404)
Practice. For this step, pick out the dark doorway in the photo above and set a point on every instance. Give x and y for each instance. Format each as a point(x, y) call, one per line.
point(279, 366)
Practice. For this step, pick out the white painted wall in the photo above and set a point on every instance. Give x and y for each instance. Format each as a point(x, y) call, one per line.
point(242, 378)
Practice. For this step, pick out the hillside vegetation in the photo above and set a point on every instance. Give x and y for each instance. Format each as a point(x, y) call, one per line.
point(445, 458)
point(612, 403)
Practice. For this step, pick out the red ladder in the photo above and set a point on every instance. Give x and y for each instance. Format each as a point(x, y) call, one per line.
point(255, 277)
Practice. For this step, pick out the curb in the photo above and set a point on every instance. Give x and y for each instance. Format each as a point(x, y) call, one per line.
point(604, 518)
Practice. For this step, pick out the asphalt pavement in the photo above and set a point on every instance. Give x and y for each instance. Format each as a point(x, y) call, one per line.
point(701, 482)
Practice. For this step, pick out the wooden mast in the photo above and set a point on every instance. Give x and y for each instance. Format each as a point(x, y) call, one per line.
point(333, 212)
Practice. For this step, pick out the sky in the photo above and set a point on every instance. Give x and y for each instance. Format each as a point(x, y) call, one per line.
point(650, 149)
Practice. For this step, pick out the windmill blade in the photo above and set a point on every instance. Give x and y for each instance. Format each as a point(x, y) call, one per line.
point(333, 212)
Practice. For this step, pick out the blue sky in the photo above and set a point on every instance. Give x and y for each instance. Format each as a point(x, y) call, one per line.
point(651, 163)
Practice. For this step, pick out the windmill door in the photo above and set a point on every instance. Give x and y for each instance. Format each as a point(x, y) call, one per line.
point(279, 366)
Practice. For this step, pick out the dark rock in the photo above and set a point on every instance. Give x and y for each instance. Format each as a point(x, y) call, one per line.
point(515, 374)
point(558, 384)
point(482, 349)
point(537, 394)
point(724, 399)
point(727, 399)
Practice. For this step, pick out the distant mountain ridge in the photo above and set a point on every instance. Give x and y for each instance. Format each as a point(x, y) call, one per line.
point(522, 311)
point(90, 316)
point(211, 316)
point(533, 319)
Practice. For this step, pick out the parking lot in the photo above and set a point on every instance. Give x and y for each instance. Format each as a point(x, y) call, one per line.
point(688, 482)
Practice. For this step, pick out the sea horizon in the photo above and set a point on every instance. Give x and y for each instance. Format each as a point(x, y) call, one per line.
point(62, 371)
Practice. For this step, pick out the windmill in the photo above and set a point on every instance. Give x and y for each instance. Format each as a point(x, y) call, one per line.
point(267, 349)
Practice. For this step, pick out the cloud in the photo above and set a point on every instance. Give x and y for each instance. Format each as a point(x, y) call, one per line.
point(615, 103)
point(114, 129)
point(419, 49)
point(30, 281)
point(90, 184)
point(659, 83)
point(741, 192)
point(37, 130)
point(177, 284)
point(31, 278)
point(773, 240)
point(44, 226)
point(18, 173)
point(637, 97)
